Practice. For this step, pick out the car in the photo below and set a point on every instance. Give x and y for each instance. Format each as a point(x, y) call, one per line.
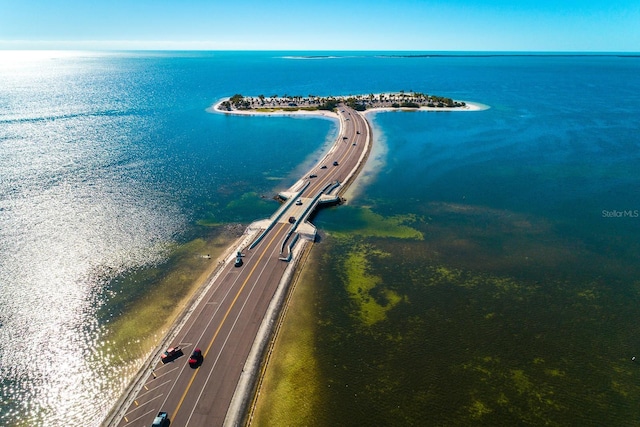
point(196, 358)
point(298, 202)
point(171, 354)
point(238, 262)
point(313, 175)
point(335, 163)
point(323, 167)
point(358, 132)
point(292, 219)
point(161, 420)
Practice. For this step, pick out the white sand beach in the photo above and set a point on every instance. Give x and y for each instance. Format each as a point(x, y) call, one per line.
point(304, 106)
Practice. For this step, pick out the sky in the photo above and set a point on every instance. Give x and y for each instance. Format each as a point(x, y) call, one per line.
point(405, 25)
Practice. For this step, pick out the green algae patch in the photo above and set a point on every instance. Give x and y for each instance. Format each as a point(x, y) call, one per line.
point(521, 381)
point(245, 209)
point(478, 409)
point(513, 390)
point(209, 223)
point(362, 221)
point(149, 300)
point(501, 286)
point(497, 320)
point(360, 284)
point(555, 372)
point(250, 206)
point(394, 226)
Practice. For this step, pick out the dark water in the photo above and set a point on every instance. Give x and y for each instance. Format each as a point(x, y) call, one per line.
point(487, 273)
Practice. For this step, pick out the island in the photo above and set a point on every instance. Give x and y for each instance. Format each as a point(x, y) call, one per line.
point(230, 324)
point(401, 100)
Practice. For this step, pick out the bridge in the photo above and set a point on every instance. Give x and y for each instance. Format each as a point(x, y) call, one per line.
point(231, 318)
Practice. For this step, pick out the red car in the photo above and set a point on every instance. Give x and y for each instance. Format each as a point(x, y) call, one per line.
point(196, 358)
point(171, 354)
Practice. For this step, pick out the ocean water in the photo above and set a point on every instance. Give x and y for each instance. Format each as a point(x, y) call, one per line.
point(110, 160)
point(487, 273)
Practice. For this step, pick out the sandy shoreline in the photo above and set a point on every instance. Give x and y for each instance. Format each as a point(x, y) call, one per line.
point(290, 111)
point(215, 108)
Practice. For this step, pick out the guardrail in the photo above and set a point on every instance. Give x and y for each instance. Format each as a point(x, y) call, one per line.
point(312, 205)
point(333, 187)
point(299, 220)
point(277, 216)
point(291, 245)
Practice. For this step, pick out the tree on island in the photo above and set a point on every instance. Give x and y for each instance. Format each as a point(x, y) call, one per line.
point(236, 99)
point(399, 99)
point(239, 101)
point(356, 104)
point(409, 104)
point(328, 104)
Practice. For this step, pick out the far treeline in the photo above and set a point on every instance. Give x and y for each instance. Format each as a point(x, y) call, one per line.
point(359, 102)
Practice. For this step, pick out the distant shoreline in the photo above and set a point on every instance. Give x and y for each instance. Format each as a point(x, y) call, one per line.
point(323, 106)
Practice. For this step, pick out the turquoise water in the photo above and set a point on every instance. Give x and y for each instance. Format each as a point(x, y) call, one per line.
point(107, 159)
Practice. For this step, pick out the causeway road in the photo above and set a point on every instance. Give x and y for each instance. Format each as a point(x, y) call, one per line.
point(230, 321)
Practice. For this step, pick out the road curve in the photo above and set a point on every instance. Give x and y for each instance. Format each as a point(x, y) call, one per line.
point(225, 321)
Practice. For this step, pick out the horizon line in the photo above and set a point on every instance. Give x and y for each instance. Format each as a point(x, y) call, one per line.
point(435, 52)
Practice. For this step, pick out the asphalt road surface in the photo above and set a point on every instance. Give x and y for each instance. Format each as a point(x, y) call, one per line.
point(224, 323)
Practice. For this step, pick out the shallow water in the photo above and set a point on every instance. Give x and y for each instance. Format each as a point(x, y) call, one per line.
point(109, 165)
point(490, 319)
point(491, 227)
point(483, 276)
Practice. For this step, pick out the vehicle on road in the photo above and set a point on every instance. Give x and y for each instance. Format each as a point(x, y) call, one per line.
point(313, 175)
point(196, 358)
point(335, 163)
point(161, 420)
point(238, 262)
point(171, 354)
point(298, 202)
point(323, 167)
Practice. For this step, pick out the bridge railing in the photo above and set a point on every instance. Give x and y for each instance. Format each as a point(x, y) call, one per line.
point(277, 216)
point(305, 213)
point(290, 248)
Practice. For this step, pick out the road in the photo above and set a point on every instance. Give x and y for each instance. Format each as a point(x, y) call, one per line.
point(224, 323)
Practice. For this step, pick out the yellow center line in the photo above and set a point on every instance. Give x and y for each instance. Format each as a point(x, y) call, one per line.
point(316, 187)
point(235, 299)
point(215, 335)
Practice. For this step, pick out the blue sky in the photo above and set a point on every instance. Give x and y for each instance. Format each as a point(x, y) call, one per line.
point(422, 25)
